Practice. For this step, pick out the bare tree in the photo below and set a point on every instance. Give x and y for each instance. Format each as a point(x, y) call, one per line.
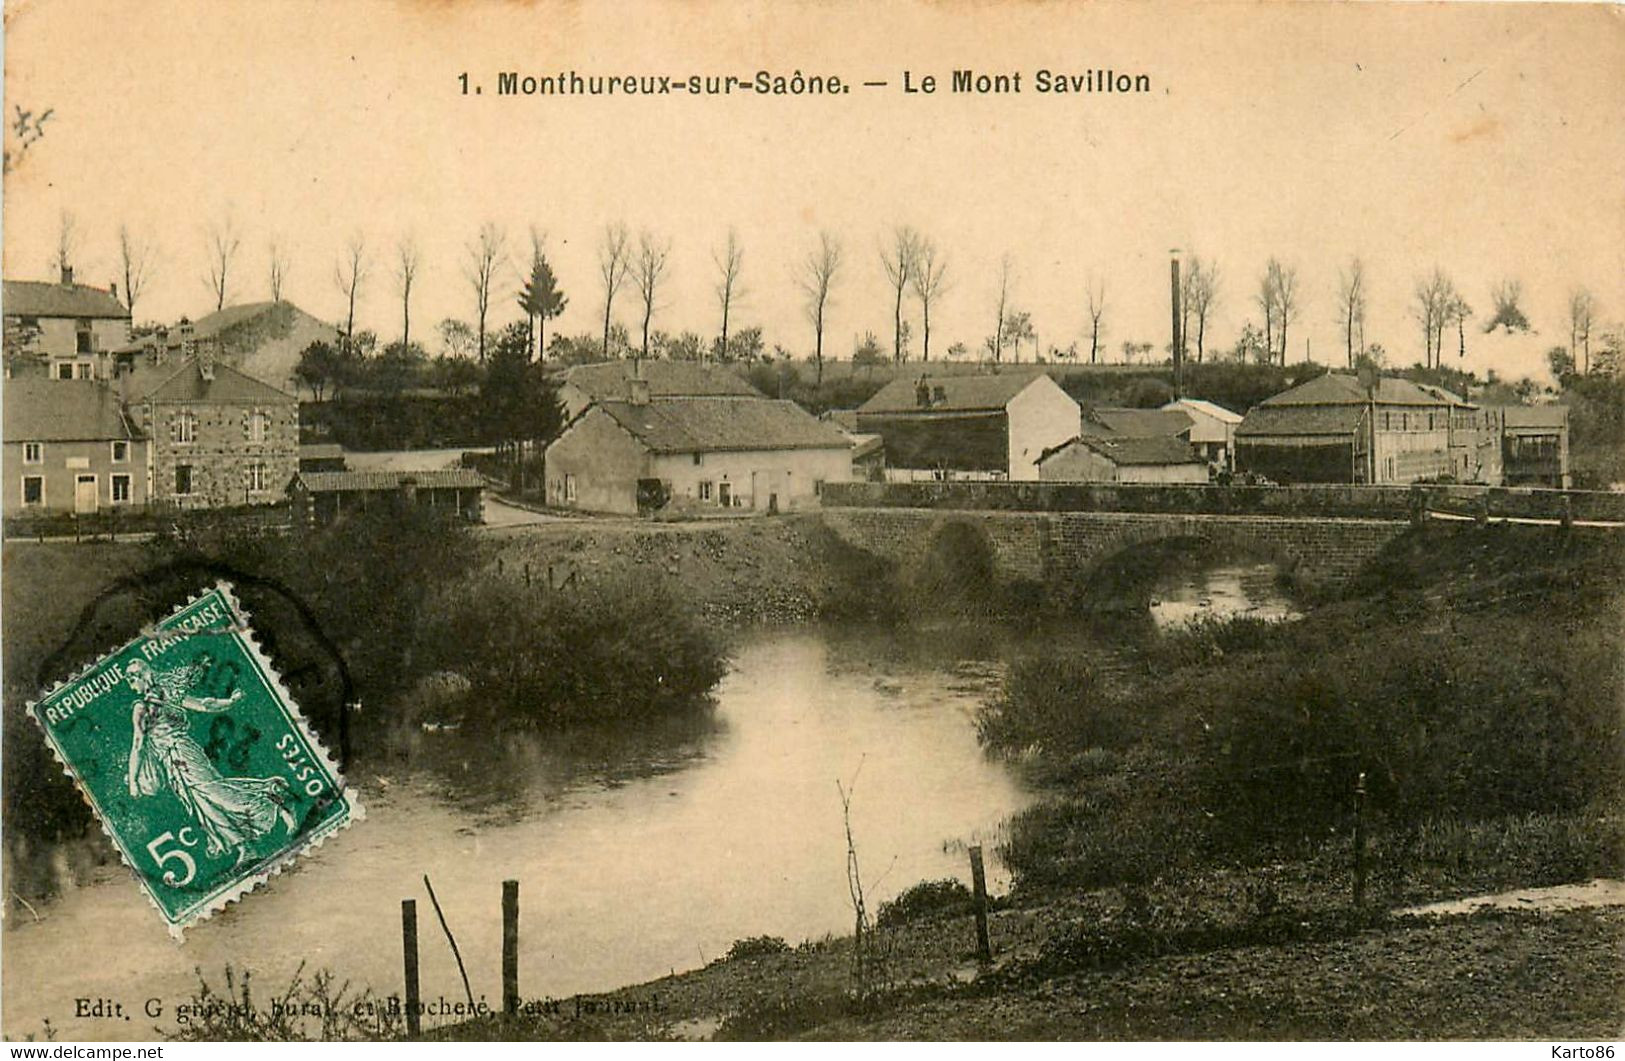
point(898, 261)
point(349, 274)
point(816, 277)
point(222, 242)
point(1459, 311)
point(930, 280)
point(647, 272)
point(614, 262)
point(1434, 296)
point(729, 262)
point(276, 269)
point(135, 261)
point(406, 273)
point(1265, 298)
point(1097, 311)
point(67, 244)
point(1351, 305)
point(1005, 266)
point(1201, 294)
point(1283, 282)
point(485, 255)
point(1582, 314)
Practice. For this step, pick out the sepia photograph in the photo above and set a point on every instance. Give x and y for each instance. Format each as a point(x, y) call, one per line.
point(719, 520)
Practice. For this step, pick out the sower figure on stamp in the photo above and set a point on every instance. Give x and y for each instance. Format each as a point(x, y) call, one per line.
point(232, 811)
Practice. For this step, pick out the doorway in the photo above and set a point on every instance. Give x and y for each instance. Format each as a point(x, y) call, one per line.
point(84, 494)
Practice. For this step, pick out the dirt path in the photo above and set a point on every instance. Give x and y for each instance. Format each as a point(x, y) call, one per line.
point(1600, 892)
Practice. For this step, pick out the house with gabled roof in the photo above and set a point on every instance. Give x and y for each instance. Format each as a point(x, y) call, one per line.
point(631, 378)
point(989, 427)
point(1123, 459)
point(69, 447)
point(1334, 429)
point(65, 331)
point(217, 436)
point(695, 454)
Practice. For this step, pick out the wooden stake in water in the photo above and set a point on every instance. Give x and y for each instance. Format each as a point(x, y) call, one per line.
point(409, 956)
point(978, 880)
point(510, 946)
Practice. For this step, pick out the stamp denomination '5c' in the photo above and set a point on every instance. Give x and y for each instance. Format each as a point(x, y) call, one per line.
point(196, 759)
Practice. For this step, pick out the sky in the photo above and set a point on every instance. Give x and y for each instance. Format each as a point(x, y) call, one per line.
point(1485, 140)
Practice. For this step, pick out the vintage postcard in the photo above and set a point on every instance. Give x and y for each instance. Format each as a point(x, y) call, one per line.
point(813, 521)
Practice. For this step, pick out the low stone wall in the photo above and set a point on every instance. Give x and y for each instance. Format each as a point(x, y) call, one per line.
point(1321, 500)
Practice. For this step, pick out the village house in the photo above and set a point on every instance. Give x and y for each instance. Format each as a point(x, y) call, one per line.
point(263, 340)
point(325, 497)
point(217, 437)
point(640, 378)
point(69, 447)
point(694, 453)
point(1111, 459)
point(63, 330)
point(990, 427)
point(1332, 429)
point(1212, 431)
point(1535, 445)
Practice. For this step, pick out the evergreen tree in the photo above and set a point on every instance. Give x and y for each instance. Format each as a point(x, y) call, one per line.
point(541, 298)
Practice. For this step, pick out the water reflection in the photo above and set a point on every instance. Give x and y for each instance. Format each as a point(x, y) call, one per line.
point(1222, 592)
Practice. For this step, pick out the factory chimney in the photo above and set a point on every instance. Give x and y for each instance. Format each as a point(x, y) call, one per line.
point(1178, 344)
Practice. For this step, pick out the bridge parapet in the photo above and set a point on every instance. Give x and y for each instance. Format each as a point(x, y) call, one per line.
point(1329, 500)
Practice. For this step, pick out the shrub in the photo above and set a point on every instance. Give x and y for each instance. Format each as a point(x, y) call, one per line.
point(757, 947)
point(1057, 704)
point(594, 652)
point(940, 897)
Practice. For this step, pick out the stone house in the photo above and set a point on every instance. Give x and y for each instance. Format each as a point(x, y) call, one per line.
point(217, 437)
point(63, 330)
point(260, 339)
point(988, 427)
point(694, 454)
point(69, 447)
point(1102, 459)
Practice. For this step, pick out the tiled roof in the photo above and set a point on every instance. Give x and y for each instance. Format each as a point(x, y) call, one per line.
point(1339, 388)
point(959, 393)
point(350, 482)
point(608, 380)
point(47, 410)
point(1126, 450)
point(29, 298)
point(1300, 420)
point(319, 450)
point(1552, 416)
point(184, 382)
point(1137, 423)
point(698, 425)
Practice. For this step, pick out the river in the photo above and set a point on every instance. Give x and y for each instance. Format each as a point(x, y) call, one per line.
point(637, 853)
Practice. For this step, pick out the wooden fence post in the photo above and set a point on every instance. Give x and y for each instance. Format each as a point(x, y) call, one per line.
point(1359, 840)
point(978, 878)
point(409, 956)
point(510, 947)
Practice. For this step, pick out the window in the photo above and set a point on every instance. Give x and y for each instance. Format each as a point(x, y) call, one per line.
point(33, 489)
point(186, 427)
point(570, 488)
point(121, 488)
point(705, 489)
point(121, 452)
point(256, 477)
point(183, 478)
point(33, 452)
point(64, 370)
point(258, 425)
point(81, 370)
point(696, 458)
point(83, 337)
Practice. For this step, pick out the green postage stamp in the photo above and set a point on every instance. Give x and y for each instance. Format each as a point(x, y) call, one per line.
point(196, 759)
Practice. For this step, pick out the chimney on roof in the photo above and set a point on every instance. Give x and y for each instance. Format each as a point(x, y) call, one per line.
point(67, 275)
point(637, 385)
point(112, 289)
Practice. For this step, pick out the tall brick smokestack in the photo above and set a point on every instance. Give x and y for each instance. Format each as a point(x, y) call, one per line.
point(1178, 345)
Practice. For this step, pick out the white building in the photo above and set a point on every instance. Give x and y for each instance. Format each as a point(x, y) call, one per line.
point(1213, 431)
